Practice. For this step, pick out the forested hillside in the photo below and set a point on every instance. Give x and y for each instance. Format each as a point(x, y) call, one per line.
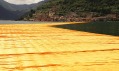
point(72, 10)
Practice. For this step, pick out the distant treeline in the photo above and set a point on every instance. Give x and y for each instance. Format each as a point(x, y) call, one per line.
point(79, 7)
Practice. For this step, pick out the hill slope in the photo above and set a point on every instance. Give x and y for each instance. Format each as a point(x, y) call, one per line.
point(13, 12)
point(72, 10)
point(7, 15)
point(14, 7)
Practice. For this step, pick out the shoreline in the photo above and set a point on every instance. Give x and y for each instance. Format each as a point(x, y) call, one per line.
point(33, 22)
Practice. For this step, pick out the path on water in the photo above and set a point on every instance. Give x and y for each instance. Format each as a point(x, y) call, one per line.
point(41, 47)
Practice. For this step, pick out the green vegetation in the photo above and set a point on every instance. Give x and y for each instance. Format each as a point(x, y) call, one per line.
point(82, 8)
point(100, 6)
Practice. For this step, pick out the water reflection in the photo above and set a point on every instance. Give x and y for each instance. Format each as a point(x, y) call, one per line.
point(109, 28)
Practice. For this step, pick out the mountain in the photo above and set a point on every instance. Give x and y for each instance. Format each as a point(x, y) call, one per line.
point(15, 7)
point(10, 11)
point(7, 15)
point(74, 10)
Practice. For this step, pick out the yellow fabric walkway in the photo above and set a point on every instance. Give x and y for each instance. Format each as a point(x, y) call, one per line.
point(40, 47)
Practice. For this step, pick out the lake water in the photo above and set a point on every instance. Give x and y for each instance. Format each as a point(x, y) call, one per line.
point(109, 28)
point(22, 22)
point(11, 22)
